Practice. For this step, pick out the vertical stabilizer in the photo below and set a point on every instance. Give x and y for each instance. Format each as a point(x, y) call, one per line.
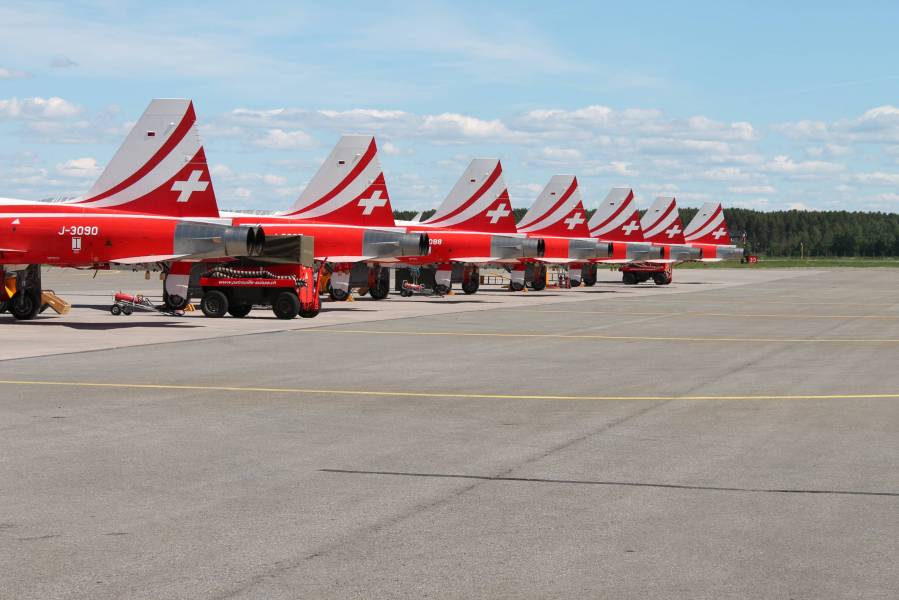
point(661, 223)
point(349, 188)
point(160, 168)
point(558, 210)
point(708, 226)
point(478, 202)
point(617, 219)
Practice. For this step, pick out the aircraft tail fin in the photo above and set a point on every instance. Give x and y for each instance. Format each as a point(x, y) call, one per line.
point(479, 201)
point(708, 226)
point(617, 219)
point(349, 188)
point(558, 210)
point(160, 168)
point(661, 223)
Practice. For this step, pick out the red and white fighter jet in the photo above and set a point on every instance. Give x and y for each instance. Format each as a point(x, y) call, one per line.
point(558, 216)
point(708, 232)
point(153, 204)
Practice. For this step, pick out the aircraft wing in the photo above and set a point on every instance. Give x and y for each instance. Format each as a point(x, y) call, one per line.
point(557, 261)
point(139, 260)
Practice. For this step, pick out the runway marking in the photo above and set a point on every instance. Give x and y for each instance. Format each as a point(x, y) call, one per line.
point(675, 486)
point(691, 313)
point(751, 300)
point(562, 336)
point(431, 394)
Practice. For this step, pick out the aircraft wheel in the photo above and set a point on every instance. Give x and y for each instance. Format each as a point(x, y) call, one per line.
point(174, 302)
point(471, 286)
point(240, 311)
point(309, 313)
point(588, 277)
point(538, 285)
point(628, 278)
point(379, 292)
point(441, 289)
point(115, 309)
point(286, 305)
point(214, 304)
point(337, 294)
point(25, 306)
point(127, 310)
point(516, 286)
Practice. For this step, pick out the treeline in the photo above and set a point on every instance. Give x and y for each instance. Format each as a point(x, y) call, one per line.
point(791, 232)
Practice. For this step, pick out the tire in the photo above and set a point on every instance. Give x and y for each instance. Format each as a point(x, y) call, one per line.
point(516, 286)
point(115, 309)
point(588, 277)
point(2, 306)
point(174, 302)
point(25, 306)
point(380, 292)
point(286, 305)
point(660, 279)
point(642, 277)
point(538, 285)
point(628, 278)
point(441, 289)
point(308, 314)
point(214, 304)
point(127, 310)
point(240, 311)
point(337, 295)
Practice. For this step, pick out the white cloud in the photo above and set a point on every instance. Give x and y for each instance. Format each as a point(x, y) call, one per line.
point(554, 153)
point(38, 108)
point(752, 189)
point(390, 149)
point(13, 74)
point(786, 165)
point(877, 178)
point(472, 127)
point(80, 167)
point(281, 140)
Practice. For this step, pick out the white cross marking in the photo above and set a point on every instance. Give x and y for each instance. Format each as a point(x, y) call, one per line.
point(631, 227)
point(719, 233)
point(191, 185)
point(574, 220)
point(368, 205)
point(498, 213)
point(673, 231)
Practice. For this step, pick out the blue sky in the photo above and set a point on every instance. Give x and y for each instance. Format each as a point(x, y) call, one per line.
point(753, 104)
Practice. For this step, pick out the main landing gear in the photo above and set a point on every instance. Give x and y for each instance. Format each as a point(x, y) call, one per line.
point(25, 303)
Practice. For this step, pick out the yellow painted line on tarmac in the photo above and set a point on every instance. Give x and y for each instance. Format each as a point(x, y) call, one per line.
point(747, 300)
point(561, 336)
point(690, 313)
point(430, 394)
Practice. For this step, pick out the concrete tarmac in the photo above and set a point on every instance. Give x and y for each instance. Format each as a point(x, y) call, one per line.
point(732, 435)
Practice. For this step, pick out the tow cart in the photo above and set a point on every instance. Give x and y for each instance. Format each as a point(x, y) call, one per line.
point(125, 304)
point(634, 273)
point(290, 290)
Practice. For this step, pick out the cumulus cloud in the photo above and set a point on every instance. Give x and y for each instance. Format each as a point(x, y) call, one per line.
point(879, 124)
point(472, 127)
point(13, 74)
point(752, 189)
point(38, 108)
point(786, 165)
point(281, 140)
point(80, 167)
